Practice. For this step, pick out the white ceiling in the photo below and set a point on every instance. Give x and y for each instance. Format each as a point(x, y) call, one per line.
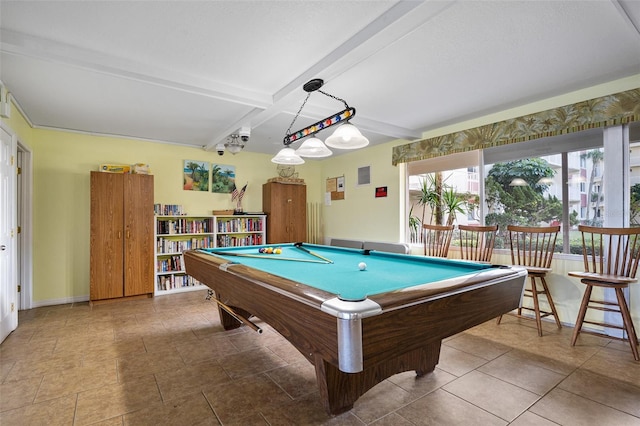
point(193, 72)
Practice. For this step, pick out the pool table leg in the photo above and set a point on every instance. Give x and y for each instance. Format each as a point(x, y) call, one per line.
point(339, 390)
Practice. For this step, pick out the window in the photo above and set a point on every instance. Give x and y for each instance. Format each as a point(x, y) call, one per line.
point(562, 185)
point(568, 180)
point(634, 180)
point(454, 180)
point(540, 199)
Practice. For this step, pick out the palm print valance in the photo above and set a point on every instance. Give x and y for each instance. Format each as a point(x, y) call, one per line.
point(619, 108)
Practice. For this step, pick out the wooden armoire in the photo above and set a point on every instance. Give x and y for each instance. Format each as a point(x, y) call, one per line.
point(286, 208)
point(122, 236)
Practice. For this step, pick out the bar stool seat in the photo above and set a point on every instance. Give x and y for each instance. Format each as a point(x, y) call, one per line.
point(611, 257)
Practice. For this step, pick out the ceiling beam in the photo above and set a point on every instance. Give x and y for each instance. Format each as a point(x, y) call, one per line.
point(17, 43)
point(377, 35)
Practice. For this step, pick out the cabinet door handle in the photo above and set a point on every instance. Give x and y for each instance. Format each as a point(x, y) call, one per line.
point(3, 247)
point(289, 200)
point(119, 234)
point(128, 234)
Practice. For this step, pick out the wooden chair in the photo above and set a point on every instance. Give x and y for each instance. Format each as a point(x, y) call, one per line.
point(532, 247)
point(611, 257)
point(436, 239)
point(476, 242)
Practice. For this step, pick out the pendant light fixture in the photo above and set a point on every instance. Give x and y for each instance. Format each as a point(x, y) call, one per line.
point(346, 136)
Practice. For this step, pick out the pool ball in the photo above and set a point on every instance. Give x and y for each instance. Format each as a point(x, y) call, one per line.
point(277, 251)
point(261, 250)
point(362, 266)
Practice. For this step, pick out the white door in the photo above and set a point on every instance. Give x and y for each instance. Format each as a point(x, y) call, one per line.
point(8, 254)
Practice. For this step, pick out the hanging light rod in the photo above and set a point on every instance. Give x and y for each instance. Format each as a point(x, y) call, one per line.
point(347, 136)
point(312, 86)
point(340, 117)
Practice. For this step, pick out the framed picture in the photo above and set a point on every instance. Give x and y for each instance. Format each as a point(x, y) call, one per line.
point(195, 176)
point(223, 178)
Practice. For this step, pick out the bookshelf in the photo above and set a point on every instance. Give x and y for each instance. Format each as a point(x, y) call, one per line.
point(175, 234)
point(240, 230)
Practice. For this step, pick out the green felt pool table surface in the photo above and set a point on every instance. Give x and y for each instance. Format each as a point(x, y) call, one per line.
point(336, 269)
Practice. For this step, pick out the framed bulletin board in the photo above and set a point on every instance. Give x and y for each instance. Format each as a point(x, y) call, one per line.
point(335, 188)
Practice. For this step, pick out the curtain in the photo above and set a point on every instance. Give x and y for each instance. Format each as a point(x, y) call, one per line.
point(610, 110)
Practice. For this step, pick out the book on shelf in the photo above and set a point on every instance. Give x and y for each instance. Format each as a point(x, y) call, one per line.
point(171, 282)
point(184, 226)
point(247, 224)
point(237, 241)
point(168, 245)
point(168, 210)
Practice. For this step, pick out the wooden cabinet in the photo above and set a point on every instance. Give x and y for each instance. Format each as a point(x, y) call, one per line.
point(122, 236)
point(286, 208)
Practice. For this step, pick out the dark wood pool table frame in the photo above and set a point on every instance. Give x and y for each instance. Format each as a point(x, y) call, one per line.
point(405, 335)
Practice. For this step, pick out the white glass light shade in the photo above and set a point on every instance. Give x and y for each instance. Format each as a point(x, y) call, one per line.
point(313, 148)
point(234, 148)
point(518, 182)
point(347, 136)
point(545, 181)
point(287, 156)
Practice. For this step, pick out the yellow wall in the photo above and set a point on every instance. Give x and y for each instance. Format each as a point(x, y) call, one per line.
point(360, 215)
point(62, 162)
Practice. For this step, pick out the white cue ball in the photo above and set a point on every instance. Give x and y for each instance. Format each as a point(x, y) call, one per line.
point(362, 266)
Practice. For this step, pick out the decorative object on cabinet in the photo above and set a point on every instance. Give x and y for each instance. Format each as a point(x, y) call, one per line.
point(121, 245)
point(175, 234)
point(286, 208)
point(286, 171)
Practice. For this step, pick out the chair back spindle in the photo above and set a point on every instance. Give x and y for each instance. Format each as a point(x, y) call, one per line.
point(436, 239)
point(611, 251)
point(476, 242)
point(532, 246)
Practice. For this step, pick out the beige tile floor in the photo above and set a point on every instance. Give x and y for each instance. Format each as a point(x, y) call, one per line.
point(167, 361)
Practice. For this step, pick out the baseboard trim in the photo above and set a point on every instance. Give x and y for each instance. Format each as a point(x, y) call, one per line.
point(62, 301)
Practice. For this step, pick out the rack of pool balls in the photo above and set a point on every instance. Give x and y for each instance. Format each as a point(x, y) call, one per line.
point(270, 250)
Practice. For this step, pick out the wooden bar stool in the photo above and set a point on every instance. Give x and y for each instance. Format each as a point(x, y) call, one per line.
point(436, 239)
point(476, 242)
point(611, 257)
point(532, 247)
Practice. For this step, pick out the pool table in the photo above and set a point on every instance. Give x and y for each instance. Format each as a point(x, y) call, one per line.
point(357, 326)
